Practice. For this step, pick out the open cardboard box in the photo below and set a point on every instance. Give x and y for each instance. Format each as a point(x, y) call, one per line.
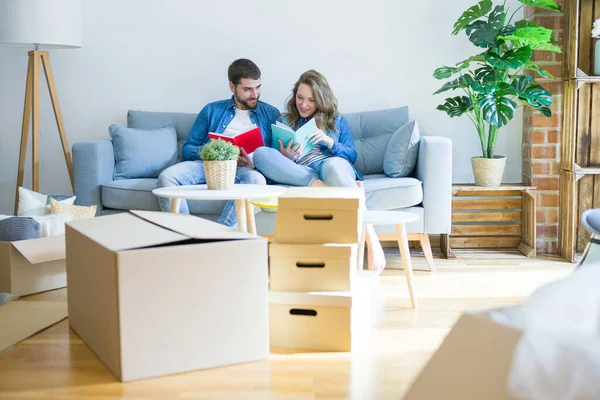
point(155, 293)
point(472, 363)
point(32, 266)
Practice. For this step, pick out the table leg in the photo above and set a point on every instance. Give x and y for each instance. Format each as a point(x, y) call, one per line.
point(361, 249)
point(240, 211)
point(175, 204)
point(250, 217)
point(426, 246)
point(405, 253)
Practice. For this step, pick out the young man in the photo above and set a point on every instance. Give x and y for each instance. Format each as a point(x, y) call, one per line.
point(233, 115)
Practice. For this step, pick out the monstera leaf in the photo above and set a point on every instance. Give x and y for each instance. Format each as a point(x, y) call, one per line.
point(446, 72)
point(473, 13)
point(456, 106)
point(532, 66)
point(545, 4)
point(535, 95)
point(484, 33)
point(535, 36)
point(486, 74)
point(496, 106)
point(514, 58)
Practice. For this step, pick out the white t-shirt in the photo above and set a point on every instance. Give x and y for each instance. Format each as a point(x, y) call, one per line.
point(240, 123)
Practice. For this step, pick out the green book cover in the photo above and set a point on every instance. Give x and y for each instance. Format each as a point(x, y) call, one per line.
point(285, 134)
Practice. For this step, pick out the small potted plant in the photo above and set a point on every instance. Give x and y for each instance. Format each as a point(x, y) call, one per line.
point(499, 78)
point(220, 162)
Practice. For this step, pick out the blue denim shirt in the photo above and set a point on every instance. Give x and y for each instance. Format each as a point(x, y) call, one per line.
point(216, 116)
point(343, 145)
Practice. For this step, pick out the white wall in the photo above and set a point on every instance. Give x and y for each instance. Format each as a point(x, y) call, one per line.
point(173, 56)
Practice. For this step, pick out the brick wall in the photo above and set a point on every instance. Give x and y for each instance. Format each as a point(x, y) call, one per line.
point(541, 138)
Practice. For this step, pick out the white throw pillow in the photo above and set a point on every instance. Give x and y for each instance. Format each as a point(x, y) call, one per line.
point(52, 224)
point(32, 204)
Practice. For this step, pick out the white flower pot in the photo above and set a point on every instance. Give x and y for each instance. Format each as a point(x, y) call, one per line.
point(488, 171)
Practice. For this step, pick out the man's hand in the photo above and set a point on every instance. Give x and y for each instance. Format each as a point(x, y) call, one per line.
point(244, 160)
point(290, 152)
point(320, 137)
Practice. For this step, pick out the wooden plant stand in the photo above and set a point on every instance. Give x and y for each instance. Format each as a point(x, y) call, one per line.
point(492, 218)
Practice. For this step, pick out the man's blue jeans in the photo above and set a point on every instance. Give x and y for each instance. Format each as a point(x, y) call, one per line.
point(334, 171)
point(192, 173)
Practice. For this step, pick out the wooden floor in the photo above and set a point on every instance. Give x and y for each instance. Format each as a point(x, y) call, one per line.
point(55, 364)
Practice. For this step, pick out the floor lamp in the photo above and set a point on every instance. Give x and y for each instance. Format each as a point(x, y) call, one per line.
point(48, 24)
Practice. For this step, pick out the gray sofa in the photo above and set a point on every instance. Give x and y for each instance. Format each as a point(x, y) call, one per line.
point(426, 192)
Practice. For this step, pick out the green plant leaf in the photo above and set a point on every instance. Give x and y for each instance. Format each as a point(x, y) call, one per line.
point(473, 13)
point(456, 106)
point(444, 72)
point(495, 60)
point(546, 112)
point(537, 96)
point(486, 74)
point(532, 66)
point(521, 82)
point(545, 4)
point(219, 150)
point(535, 36)
point(458, 83)
point(484, 33)
point(517, 58)
point(497, 109)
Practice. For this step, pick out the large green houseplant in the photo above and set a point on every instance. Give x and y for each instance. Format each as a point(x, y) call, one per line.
point(500, 78)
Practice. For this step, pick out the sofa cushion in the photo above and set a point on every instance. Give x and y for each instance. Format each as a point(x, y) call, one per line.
point(402, 151)
point(384, 193)
point(142, 153)
point(182, 122)
point(371, 132)
point(136, 194)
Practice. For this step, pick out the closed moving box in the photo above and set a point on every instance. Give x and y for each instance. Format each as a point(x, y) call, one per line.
point(327, 321)
point(311, 267)
point(32, 266)
point(159, 293)
point(320, 215)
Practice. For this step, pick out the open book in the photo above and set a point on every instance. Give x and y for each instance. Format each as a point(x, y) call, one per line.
point(285, 134)
point(249, 140)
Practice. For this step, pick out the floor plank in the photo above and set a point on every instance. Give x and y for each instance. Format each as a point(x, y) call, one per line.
point(56, 364)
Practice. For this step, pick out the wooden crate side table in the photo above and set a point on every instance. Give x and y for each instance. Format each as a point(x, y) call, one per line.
point(500, 217)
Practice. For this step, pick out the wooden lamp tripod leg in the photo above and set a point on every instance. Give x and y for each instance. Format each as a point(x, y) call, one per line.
point(24, 130)
point(58, 115)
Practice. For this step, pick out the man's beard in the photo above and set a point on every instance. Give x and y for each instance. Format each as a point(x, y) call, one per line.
point(245, 102)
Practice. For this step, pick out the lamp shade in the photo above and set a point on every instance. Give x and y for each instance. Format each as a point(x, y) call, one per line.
point(49, 23)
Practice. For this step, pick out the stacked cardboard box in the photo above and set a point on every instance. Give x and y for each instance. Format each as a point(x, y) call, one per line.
point(318, 299)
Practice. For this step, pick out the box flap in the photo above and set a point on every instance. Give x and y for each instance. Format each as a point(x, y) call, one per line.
point(43, 249)
point(193, 227)
point(472, 363)
point(315, 198)
point(312, 251)
point(362, 285)
point(125, 231)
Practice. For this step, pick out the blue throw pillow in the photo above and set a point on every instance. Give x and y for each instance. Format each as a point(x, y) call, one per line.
point(402, 151)
point(18, 228)
point(142, 153)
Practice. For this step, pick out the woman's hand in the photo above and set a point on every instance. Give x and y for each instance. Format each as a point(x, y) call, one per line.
point(320, 137)
point(290, 152)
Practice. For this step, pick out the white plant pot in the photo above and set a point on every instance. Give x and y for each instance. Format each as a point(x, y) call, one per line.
point(220, 175)
point(488, 171)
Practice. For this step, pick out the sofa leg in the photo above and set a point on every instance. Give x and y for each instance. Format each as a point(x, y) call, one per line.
point(426, 246)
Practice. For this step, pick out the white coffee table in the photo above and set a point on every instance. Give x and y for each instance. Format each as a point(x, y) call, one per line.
point(400, 219)
point(241, 193)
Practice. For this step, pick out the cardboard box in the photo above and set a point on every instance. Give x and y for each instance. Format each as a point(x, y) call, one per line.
point(156, 293)
point(312, 267)
point(32, 266)
point(327, 321)
point(472, 363)
point(311, 215)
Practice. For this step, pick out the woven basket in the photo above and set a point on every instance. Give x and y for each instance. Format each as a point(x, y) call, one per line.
point(220, 175)
point(488, 171)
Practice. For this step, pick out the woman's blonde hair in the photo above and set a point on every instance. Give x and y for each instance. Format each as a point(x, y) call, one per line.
point(324, 98)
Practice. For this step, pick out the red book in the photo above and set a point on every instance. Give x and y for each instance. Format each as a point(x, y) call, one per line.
point(249, 140)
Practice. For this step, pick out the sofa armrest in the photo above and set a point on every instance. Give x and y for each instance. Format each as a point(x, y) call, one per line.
point(93, 165)
point(434, 169)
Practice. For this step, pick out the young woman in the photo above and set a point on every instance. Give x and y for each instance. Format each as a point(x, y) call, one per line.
point(330, 162)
